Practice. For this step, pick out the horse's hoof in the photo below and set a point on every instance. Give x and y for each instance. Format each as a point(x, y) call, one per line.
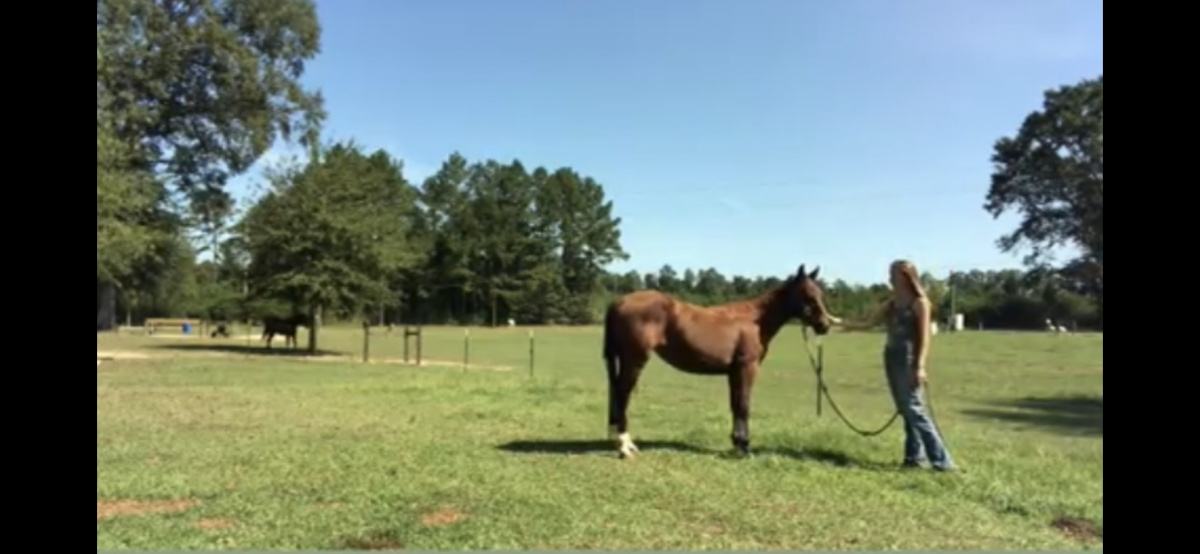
point(626, 449)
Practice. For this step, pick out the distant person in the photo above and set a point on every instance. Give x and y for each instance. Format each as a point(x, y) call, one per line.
point(907, 315)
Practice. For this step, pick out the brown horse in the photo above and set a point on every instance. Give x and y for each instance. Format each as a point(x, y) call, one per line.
point(730, 339)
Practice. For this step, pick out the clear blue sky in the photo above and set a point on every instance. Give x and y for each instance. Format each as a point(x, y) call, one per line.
point(748, 136)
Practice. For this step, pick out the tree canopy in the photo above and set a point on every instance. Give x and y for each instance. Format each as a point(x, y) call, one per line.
point(198, 90)
point(333, 233)
point(1052, 172)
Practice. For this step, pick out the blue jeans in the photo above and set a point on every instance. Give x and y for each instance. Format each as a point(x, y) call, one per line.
point(920, 433)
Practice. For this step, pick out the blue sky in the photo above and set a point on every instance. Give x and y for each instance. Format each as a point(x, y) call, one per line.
point(748, 136)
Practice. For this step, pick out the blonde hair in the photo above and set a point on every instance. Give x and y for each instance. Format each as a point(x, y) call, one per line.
point(910, 277)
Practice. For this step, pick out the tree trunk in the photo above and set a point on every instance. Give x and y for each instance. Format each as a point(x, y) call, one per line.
point(312, 330)
point(106, 307)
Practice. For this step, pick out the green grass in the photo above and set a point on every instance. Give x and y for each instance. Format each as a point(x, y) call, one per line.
point(277, 453)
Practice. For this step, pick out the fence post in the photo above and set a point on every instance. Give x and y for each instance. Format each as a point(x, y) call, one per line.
point(466, 348)
point(366, 341)
point(418, 345)
point(412, 332)
point(531, 352)
point(405, 345)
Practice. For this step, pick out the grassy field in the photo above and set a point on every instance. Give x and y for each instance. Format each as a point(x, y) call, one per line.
point(204, 443)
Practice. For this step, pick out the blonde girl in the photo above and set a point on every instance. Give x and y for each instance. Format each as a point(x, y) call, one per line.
point(907, 315)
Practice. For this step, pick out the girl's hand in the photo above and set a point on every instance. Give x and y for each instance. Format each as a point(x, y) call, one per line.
point(919, 377)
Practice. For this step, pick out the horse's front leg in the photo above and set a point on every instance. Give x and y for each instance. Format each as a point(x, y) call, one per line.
point(741, 384)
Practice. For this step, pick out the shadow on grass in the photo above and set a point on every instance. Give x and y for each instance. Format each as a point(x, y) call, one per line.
point(594, 447)
point(824, 456)
point(608, 448)
point(245, 349)
point(1076, 415)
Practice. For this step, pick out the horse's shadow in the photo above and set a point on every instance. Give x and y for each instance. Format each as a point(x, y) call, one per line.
point(593, 447)
point(608, 448)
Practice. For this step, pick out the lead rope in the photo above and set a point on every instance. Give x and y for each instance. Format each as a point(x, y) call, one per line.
point(818, 365)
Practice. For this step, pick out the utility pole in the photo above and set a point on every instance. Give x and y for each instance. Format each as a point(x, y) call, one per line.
point(953, 303)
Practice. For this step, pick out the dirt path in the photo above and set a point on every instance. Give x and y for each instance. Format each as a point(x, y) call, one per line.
point(114, 355)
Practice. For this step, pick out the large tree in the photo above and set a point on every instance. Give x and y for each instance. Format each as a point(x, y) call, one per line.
point(332, 234)
point(1052, 172)
point(188, 94)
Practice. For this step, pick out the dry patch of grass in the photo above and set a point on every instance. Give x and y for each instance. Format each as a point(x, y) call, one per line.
point(441, 518)
point(214, 523)
point(1080, 529)
point(372, 541)
point(115, 508)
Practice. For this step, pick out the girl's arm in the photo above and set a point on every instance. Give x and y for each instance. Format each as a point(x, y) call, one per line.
point(923, 311)
point(874, 319)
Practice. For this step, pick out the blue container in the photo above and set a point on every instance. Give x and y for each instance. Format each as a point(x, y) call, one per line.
point(187, 328)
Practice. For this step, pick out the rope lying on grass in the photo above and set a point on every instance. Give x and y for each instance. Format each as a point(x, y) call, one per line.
point(818, 365)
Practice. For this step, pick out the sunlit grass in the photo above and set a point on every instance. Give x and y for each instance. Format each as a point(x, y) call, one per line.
point(282, 453)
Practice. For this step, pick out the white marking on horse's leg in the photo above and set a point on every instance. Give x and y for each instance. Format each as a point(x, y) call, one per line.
point(627, 448)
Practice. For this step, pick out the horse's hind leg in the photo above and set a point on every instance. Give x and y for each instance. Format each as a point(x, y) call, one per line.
point(741, 384)
point(614, 372)
point(631, 369)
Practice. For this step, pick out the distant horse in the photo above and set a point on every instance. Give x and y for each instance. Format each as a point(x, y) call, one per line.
point(729, 339)
point(1050, 326)
point(283, 326)
point(222, 330)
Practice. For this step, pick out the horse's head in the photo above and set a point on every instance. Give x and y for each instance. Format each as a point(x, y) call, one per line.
point(806, 301)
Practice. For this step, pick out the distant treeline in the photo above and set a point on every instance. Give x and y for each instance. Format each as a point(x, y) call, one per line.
point(1010, 299)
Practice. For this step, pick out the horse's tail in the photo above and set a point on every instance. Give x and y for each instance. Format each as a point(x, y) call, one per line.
point(611, 352)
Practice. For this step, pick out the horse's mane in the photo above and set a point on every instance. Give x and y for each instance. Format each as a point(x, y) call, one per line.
point(773, 294)
point(762, 300)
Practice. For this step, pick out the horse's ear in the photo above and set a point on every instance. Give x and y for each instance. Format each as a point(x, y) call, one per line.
point(815, 271)
point(801, 274)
